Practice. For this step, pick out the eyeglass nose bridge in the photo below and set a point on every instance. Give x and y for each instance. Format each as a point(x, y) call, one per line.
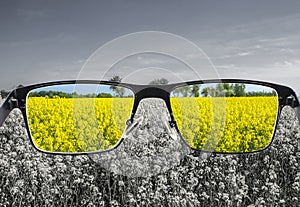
point(151, 92)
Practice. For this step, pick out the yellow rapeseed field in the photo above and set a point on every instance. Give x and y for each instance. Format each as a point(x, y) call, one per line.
point(77, 124)
point(231, 124)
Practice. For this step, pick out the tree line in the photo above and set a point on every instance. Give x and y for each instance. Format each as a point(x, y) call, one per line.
point(219, 90)
point(118, 92)
point(54, 94)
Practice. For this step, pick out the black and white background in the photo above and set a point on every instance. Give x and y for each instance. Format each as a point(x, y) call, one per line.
point(53, 40)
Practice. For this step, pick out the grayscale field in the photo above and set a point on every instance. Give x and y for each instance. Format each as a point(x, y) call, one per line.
point(150, 169)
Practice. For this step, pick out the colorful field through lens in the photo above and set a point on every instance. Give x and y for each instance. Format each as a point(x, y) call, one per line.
point(227, 124)
point(79, 124)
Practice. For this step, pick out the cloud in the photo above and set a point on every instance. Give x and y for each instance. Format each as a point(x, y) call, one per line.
point(227, 67)
point(271, 35)
point(272, 40)
point(239, 54)
point(294, 64)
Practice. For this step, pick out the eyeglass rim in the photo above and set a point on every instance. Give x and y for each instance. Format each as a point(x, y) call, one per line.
point(17, 99)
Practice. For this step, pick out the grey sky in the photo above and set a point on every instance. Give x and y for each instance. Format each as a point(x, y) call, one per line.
point(50, 40)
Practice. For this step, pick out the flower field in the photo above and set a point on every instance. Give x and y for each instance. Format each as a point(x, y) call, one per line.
point(77, 125)
point(268, 178)
point(231, 124)
point(244, 124)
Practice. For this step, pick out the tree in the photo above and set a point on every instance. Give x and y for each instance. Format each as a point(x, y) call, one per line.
point(119, 91)
point(228, 89)
point(210, 92)
point(239, 89)
point(195, 90)
point(205, 92)
point(159, 81)
point(185, 91)
point(3, 93)
point(224, 89)
point(104, 95)
point(219, 90)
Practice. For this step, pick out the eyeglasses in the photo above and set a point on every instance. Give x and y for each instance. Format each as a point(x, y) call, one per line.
point(86, 116)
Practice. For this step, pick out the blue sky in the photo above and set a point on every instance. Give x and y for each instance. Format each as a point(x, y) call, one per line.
point(51, 40)
point(81, 89)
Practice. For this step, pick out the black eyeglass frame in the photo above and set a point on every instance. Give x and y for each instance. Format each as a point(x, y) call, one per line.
point(17, 99)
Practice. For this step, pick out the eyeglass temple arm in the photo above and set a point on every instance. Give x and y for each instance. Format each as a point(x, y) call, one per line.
point(7, 106)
